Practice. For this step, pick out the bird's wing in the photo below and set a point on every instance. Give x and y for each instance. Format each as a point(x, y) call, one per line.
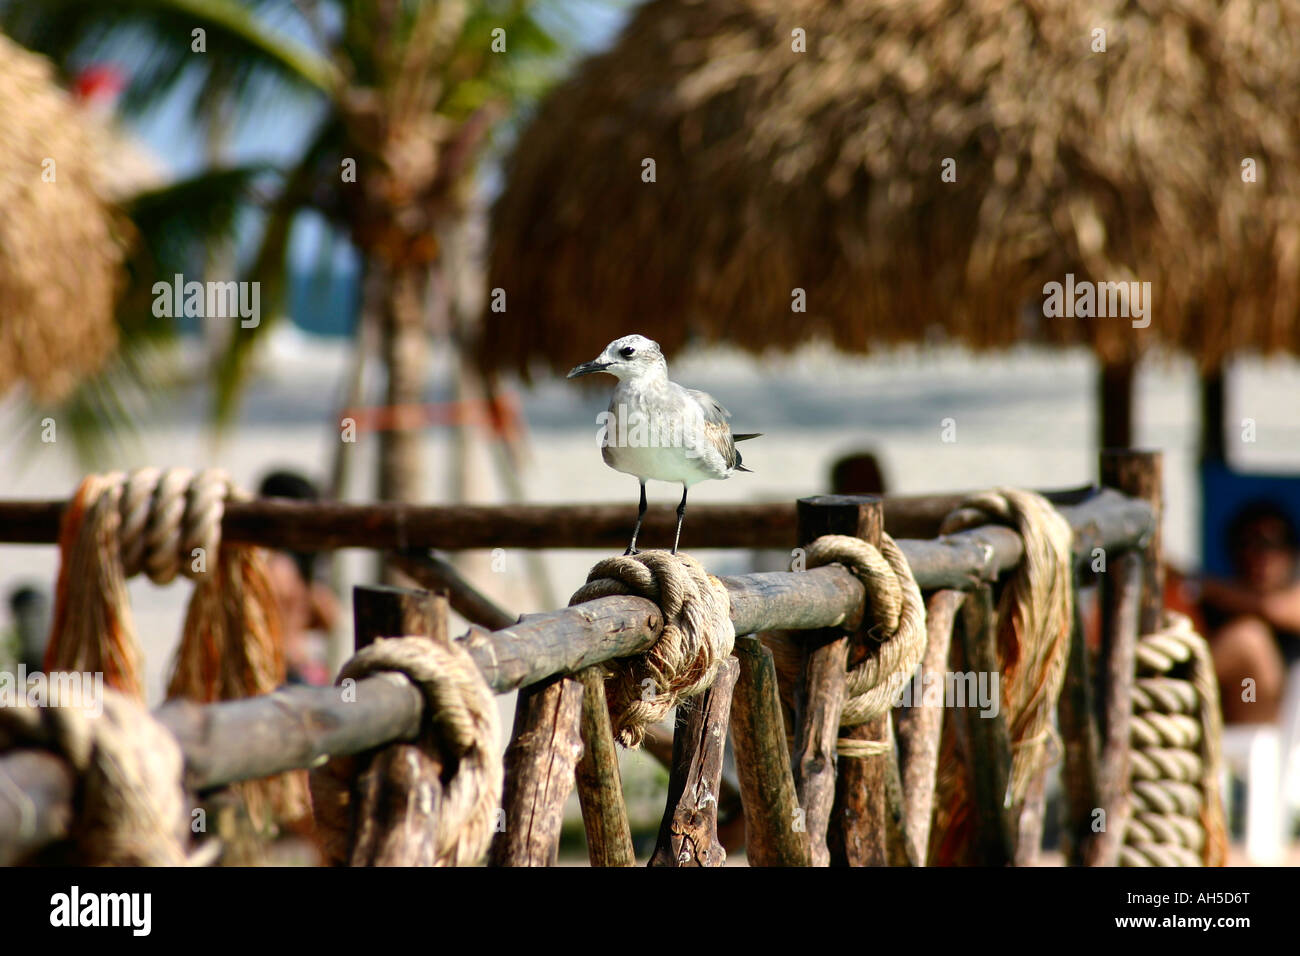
point(714, 413)
point(716, 430)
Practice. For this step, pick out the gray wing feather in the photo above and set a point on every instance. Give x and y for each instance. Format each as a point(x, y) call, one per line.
point(714, 413)
point(716, 429)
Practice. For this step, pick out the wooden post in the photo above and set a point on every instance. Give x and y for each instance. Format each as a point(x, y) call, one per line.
point(1115, 388)
point(819, 701)
point(381, 611)
point(1121, 590)
point(763, 762)
point(1140, 474)
point(600, 788)
point(920, 727)
point(539, 765)
point(1214, 421)
point(863, 818)
point(688, 835)
point(1080, 771)
point(988, 738)
point(1133, 604)
point(397, 789)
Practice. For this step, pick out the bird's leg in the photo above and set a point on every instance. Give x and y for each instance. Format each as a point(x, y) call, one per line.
point(681, 513)
point(631, 548)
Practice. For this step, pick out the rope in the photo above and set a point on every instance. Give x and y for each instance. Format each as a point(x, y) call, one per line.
point(697, 636)
point(1175, 758)
point(130, 808)
point(1035, 616)
point(460, 736)
point(166, 523)
point(872, 685)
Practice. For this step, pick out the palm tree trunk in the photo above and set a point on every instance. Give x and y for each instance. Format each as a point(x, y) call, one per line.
point(404, 347)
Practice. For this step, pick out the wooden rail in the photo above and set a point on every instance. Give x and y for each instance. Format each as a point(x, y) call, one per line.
point(324, 526)
point(298, 727)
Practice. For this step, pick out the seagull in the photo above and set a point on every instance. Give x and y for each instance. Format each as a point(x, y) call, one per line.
point(656, 429)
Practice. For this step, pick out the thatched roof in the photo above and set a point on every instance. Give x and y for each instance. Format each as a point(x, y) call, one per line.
point(821, 170)
point(60, 243)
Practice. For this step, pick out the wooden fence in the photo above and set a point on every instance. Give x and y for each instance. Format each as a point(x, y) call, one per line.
point(546, 657)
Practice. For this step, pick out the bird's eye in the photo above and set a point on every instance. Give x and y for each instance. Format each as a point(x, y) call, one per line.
point(627, 351)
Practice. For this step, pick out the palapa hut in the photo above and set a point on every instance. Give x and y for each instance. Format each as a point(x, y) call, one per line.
point(823, 170)
point(60, 242)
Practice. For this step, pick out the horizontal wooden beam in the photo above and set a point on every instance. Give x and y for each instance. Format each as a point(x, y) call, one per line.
point(324, 526)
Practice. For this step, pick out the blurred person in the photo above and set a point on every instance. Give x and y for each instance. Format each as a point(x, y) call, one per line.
point(1253, 619)
point(308, 608)
point(29, 628)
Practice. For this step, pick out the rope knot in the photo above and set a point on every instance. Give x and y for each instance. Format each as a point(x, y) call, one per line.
point(447, 793)
point(130, 805)
point(166, 515)
point(872, 685)
point(697, 636)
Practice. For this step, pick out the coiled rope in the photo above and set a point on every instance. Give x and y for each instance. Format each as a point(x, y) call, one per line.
point(898, 634)
point(130, 808)
point(697, 636)
point(1035, 616)
point(407, 811)
point(1176, 734)
point(166, 523)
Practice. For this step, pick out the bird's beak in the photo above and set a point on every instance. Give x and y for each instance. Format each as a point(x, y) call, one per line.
point(586, 368)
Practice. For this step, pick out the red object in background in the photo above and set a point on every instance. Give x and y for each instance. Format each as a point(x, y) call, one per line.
point(500, 414)
point(100, 81)
point(1179, 596)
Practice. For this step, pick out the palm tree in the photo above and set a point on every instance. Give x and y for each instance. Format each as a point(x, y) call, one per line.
point(403, 95)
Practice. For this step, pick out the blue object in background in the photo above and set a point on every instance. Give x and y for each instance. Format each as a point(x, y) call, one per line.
point(324, 301)
point(1225, 492)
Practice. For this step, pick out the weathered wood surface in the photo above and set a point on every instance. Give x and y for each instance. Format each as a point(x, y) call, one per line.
point(920, 726)
point(858, 834)
point(820, 692)
point(382, 611)
point(1121, 609)
point(1138, 477)
point(600, 787)
point(395, 804)
point(763, 762)
point(1080, 774)
point(658, 743)
point(859, 824)
point(573, 638)
point(688, 834)
point(819, 700)
point(989, 743)
point(1133, 596)
point(292, 727)
point(323, 526)
point(539, 765)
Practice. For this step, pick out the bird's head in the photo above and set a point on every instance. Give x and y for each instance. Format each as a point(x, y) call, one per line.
point(632, 356)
